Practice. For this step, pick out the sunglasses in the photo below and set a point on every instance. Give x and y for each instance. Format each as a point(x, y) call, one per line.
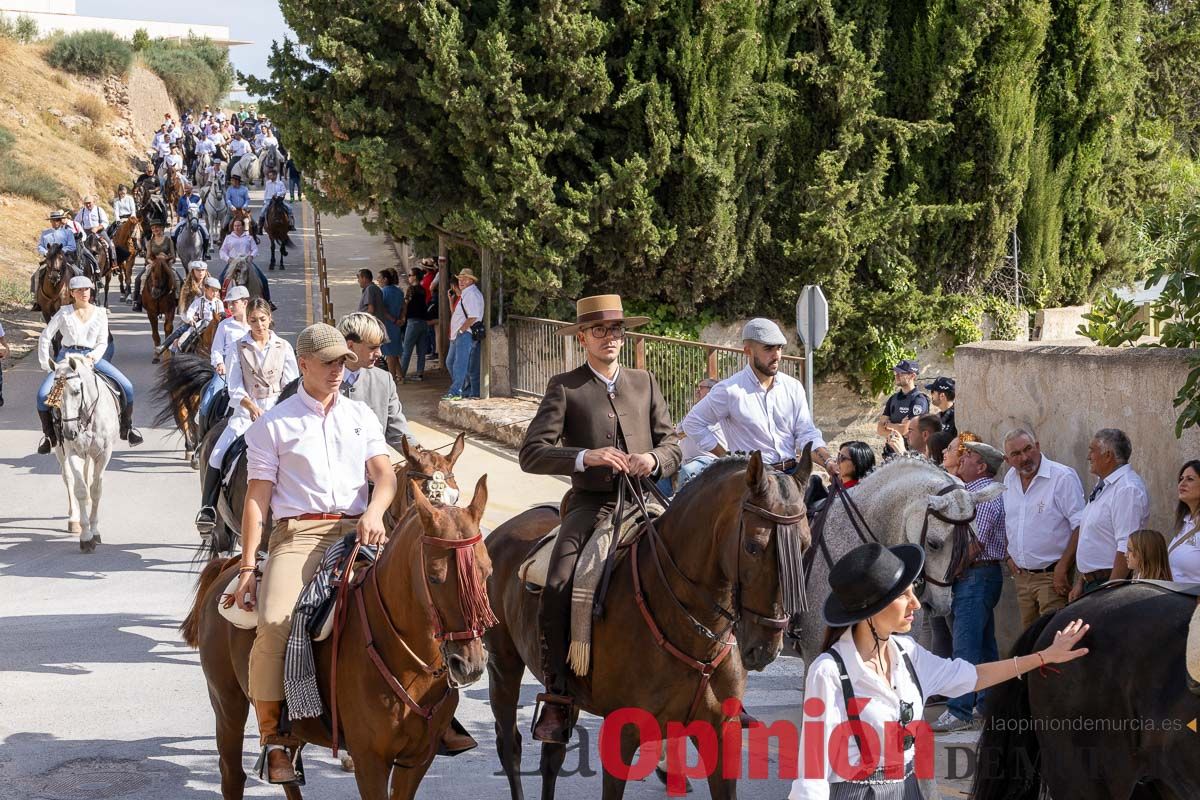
point(604, 331)
point(906, 716)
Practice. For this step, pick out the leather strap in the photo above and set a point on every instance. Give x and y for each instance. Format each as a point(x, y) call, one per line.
point(316, 516)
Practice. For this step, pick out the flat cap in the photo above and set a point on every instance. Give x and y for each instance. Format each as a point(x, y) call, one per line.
point(238, 292)
point(990, 455)
point(197, 265)
point(763, 331)
point(212, 283)
point(324, 342)
point(80, 282)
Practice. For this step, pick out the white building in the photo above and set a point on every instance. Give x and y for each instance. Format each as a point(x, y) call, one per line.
point(52, 15)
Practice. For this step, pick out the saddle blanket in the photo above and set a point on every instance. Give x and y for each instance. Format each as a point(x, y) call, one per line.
point(589, 569)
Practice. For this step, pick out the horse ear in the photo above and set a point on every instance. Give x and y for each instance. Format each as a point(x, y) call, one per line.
point(456, 451)
point(804, 468)
point(939, 502)
point(425, 509)
point(404, 448)
point(756, 477)
point(989, 492)
point(53, 366)
point(479, 501)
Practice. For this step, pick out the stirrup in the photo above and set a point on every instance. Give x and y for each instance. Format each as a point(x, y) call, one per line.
point(294, 756)
point(206, 523)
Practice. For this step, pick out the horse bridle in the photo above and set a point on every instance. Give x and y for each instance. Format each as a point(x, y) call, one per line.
point(961, 536)
point(55, 398)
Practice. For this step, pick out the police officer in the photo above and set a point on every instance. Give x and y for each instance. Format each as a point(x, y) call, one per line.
point(941, 394)
point(905, 405)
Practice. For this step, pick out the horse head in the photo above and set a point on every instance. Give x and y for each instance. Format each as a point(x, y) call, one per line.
point(193, 218)
point(73, 394)
point(432, 470)
point(449, 571)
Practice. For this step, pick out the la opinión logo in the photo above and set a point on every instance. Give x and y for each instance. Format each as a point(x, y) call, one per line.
point(755, 752)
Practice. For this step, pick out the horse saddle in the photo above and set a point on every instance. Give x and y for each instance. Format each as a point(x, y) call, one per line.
point(230, 460)
point(536, 566)
point(1185, 589)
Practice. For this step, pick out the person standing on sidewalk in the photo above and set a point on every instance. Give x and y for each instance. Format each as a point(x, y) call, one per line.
point(464, 348)
point(308, 460)
point(902, 407)
point(416, 327)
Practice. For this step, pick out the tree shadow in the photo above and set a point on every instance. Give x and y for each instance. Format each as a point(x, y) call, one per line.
point(61, 643)
point(54, 553)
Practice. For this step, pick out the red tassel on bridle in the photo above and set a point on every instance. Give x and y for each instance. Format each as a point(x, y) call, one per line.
point(472, 593)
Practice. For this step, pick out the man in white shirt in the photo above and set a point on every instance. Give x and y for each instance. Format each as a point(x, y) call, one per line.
point(463, 359)
point(1118, 506)
point(92, 219)
point(760, 408)
point(1043, 503)
point(274, 187)
point(237, 148)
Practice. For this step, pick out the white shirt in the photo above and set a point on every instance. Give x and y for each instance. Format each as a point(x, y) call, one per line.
point(1184, 559)
point(202, 310)
point(268, 141)
point(174, 160)
point(690, 449)
point(228, 333)
point(774, 421)
point(469, 306)
point(272, 189)
point(124, 206)
point(235, 246)
point(162, 145)
point(236, 381)
point(1122, 507)
point(90, 218)
point(238, 147)
point(75, 332)
point(1039, 520)
point(949, 677)
point(317, 460)
point(205, 146)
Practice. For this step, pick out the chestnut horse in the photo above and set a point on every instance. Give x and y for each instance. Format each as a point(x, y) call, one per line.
point(424, 606)
point(275, 222)
point(160, 291)
point(172, 191)
point(52, 292)
point(251, 225)
point(723, 547)
point(98, 247)
point(127, 239)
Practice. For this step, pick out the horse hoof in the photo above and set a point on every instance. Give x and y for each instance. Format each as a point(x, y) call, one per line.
point(155, 360)
point(347, 764)
point(74, 527)
point(272, 267)
point(88, 547)
point(96, 539)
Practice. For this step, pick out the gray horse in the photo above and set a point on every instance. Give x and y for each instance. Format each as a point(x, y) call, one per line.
point(190, 242)
point(897, 500)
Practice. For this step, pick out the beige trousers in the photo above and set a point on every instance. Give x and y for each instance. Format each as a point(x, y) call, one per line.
point(1036, 595)
point(296, 550)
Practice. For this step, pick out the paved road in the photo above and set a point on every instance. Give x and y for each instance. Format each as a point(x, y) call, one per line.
point(98, 695)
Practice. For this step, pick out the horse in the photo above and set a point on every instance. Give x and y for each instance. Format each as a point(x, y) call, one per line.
point(88, 415)
point(126, 240)
point(172, 191)
point(200, 176)
point(276, 225)
point(247, 219)
point(98, 247)
point(1131, 689)
point(160, 293)
point(663, 639)
point(190, 243)
point(240, 271)
point(52, 291)
point(440, 603)
point(269, 159)
point(213, 198)
point(248, 168)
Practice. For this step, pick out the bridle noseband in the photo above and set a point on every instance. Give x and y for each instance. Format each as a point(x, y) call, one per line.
point(961, 537)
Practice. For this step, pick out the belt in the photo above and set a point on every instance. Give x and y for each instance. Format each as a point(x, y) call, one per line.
point(985, 562)
point(1040, 570)
point(784, 466)
point(1099, 576)
point(310, 517)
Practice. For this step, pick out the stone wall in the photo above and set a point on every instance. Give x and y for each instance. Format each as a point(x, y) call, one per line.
point(148, 101)
point(1067, 392)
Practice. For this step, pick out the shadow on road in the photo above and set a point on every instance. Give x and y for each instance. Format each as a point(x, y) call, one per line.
point(61, 643)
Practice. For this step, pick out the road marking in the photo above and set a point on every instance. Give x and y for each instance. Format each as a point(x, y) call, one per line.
point(308, 283)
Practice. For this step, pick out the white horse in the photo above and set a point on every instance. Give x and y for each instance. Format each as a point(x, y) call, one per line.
point(248, 169)
point(270, 159)
point(88, 411)
point(200, 175)
point(215, 208)
point(240, 271)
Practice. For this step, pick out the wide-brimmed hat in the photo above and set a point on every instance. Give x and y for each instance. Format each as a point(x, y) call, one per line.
point(80, 282)
point(56, 215)
point(601, 308)
point(866, 579)
point(467, 273)
point(325, 342)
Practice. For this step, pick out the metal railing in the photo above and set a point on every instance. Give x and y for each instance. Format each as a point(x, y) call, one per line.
point(322, 271)
point(536, 352)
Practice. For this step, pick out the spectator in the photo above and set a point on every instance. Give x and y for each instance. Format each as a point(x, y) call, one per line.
point(1184, 552)
point(694, 459)
point(954, 451)
point(1146, 555)
point(938, 443)
point(903, 406)
point(371, 300)
point(463, 359)
point(941, 395)
point(919, 432)
point(855, 459)
point(977, 590)
point(393, 321)
point(1117, 507)
point(1043, 504)
point(416, 327)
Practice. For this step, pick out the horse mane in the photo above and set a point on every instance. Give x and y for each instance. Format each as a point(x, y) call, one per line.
point(181, 378)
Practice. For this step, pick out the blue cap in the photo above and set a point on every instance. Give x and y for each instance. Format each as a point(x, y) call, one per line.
point(907, 365)
point(940, 384)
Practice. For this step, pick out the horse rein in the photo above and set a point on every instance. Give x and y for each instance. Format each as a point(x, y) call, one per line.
point(55, 399)
point(961, 536)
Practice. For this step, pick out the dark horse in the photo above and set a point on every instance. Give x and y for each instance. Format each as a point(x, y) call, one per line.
point(424, 605)
point(52, 291)
point(1130, 690)
point(126, 239)
point(160, 294)
point(721, 532)
point(275, 222)
point(98, 247)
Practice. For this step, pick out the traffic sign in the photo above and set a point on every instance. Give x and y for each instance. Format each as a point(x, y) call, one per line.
point(812, 317)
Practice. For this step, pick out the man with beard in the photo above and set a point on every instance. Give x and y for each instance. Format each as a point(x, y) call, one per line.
point(760, 408)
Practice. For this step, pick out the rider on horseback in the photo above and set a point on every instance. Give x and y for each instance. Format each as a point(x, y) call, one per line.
point(146, 182)
point(92, 219)
point(84, 330)
point(191, 199)
point(58, 234)
point(594, 422)
point(240, 244)
point(273, 188)
point(159, 244)
point(229, 331)
point(199, 315)
point(237, 197)
point(173, 161)
point(237, 148)
point(124, 207)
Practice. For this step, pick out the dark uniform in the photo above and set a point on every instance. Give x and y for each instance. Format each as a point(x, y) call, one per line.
point(901, 406)
point(947, 418)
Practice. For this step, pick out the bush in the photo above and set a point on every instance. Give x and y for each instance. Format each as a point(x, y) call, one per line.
point(97, 141)
point(189, 80)
point(93, 107)
point(24, 29)
point(141, 40)
point(19, 178)
point(94, 53)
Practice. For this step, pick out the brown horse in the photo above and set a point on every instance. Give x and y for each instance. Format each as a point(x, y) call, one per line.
point(251, 226)
point(98, 247)
point(126, 238)
point(420, 606)
point(172, 191)
point(724, 549)
point(52, 292)
point(276, 224)
point(160, 291)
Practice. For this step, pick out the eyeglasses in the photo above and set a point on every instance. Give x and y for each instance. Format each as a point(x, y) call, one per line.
point(604, 331)
point(906, 716)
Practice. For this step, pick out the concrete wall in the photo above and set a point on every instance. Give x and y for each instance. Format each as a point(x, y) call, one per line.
point(1067, 392)
point(1059, 324)
point(71, 23)
point(46, 6)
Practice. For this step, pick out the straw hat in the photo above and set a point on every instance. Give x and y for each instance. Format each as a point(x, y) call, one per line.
point(601, 308)
point(467, 273)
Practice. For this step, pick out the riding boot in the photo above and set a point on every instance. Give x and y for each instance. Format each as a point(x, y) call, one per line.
point(277, 766)
point(137, 293)
point(206, 520)
point(128, 432)
point(50, 439)
point(552, 722)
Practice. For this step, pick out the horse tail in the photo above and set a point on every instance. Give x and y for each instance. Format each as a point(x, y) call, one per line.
point(181, 378)
point(1008, 753)
point(191, 623)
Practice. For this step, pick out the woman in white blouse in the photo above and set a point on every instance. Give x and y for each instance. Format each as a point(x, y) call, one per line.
point(1183, 553)
point(84, 331)
point(260, 365)
point(887, 676)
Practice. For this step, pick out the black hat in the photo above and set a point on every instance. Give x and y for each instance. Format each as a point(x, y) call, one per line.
point(869, 577)
point(940, 384)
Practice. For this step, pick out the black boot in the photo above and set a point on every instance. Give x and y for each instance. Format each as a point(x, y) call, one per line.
point(50, 437)
point(206, 520)
point(137, 294)
point(128, 432)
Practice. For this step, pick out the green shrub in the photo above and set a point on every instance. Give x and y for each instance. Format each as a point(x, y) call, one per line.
point(95, 53)
point(23, 29)
point(141, 40)
point(19, 178)
point(1111, 322)
point(188, 78)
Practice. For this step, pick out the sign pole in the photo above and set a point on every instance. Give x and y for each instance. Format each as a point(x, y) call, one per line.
point(812, 323)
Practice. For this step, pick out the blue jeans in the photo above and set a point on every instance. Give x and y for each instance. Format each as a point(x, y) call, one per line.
point(215, 384)
point(102, 366)
point(415, 331)
point(459, 363)
point(474, 387)
point(976, 594)
point(693, 468)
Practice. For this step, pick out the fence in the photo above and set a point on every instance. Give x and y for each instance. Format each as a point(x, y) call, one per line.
point(536, 352)
point(322, 271)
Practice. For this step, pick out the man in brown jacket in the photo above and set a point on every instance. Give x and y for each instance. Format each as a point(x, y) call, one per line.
point(594, 422)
